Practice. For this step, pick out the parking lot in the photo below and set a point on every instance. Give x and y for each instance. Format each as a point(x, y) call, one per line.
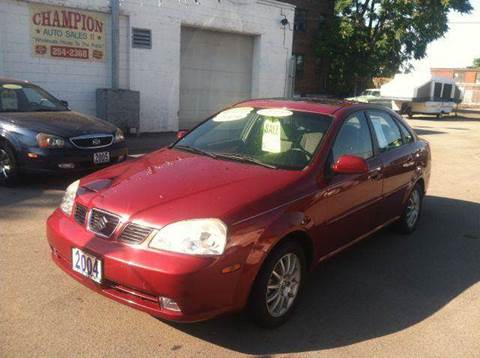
point(391, 295)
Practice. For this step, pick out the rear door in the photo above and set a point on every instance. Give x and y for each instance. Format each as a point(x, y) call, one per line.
point(351, 200)
point(396, 148)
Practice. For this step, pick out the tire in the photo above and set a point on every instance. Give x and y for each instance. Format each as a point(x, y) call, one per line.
point(411, 214)
point(8, 165)
point(409, 113)
point(264, 312)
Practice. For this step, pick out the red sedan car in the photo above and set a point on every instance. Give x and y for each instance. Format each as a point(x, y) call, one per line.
point(238, 210)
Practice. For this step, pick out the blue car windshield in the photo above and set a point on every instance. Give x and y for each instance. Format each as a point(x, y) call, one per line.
point(274, 137)
point(27, 98)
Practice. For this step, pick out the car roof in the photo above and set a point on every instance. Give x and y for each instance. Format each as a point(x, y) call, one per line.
point(4, 80)
point(321, 105)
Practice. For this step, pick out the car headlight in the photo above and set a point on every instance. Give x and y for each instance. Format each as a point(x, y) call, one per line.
point(49, 141)
point(69, 198)
point(119, 136)
point(192, 237)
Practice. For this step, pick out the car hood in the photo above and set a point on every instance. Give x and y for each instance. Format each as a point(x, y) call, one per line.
point(171, 185)
point(65, 124)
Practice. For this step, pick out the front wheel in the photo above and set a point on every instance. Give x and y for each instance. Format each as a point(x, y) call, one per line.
point(278, 285)
point(8, 165)
point(411, 214)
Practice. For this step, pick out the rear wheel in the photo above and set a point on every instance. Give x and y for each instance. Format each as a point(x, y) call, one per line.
point(8, 165)
point(409, 113)
point(278, 285)
point(411, 214)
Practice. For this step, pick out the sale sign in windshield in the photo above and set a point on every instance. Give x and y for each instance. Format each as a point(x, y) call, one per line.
point(59, 32)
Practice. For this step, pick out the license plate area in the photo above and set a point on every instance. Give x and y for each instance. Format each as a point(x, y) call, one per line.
point(101, 157)
point(87, 265)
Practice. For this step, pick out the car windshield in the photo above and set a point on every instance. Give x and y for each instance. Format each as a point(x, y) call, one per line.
point(27, 98)
point(272, 137)
point(371, 93)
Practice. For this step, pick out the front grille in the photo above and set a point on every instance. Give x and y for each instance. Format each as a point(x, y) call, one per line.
point(135, 234)
point(92, 141)
point(80, 214)
point(103, 223)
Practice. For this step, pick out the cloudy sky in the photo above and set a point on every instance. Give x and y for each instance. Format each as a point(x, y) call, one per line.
point(459, 46)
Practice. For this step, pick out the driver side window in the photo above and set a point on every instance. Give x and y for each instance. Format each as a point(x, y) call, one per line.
point(354, 138)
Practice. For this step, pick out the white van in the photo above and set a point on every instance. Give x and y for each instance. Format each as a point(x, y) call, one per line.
point(416, 94)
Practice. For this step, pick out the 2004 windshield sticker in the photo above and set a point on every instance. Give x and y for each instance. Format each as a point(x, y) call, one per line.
point(59, 32)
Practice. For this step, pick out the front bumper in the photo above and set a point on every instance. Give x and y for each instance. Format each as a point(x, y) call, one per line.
point(49, 160)
point(137, 277)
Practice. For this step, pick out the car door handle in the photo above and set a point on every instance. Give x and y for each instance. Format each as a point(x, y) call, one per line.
point(375, 174)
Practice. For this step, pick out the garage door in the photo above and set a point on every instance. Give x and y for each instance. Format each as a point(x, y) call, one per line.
point(216, 71)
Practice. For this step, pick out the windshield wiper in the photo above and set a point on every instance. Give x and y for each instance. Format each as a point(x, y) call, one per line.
point(246, 159)
point(195, 150)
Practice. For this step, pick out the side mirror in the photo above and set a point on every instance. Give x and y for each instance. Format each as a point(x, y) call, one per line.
point(350, 164)
point(182, 133)
point(65, 103)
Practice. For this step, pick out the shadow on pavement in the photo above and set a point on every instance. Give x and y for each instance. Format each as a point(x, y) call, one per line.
point(421, 131)
point(45, 188)
point(460, 117)
point(381, 286)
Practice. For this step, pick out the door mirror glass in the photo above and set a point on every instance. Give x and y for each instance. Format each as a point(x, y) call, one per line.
point(182, 133)
point(350, 164)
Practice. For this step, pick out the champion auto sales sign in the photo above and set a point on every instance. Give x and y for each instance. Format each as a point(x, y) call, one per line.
point(59, 32)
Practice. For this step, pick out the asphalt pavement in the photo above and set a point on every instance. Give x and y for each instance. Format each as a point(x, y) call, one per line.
point(388, 296)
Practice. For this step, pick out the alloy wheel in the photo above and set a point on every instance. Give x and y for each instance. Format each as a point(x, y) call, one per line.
point(5, 164)
point(413, 208)
point(283, 285)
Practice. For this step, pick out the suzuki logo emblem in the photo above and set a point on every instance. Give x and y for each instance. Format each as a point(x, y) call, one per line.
point(102, 223)
point(96, 141)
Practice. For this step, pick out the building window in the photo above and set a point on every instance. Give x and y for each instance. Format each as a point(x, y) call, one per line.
point(300, 22)
point(321, 22)
point(318, 66)
point(299, 65)
point(459, 77)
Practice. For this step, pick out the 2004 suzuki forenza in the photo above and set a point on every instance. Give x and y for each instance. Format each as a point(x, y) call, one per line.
point(238, 210)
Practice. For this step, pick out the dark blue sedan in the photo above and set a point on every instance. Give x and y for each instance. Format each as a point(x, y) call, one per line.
point(40, 134)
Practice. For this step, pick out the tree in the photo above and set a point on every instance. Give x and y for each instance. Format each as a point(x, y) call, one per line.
point(376, 38)
point(476, 62)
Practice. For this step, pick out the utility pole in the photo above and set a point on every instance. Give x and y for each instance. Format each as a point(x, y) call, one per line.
point(115, 41)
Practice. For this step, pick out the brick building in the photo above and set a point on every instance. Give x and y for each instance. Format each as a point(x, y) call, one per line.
point(468, 79)
point(311, 71)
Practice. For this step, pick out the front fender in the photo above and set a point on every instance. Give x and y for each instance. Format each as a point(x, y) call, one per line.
point(277, 226)
point(10, 138)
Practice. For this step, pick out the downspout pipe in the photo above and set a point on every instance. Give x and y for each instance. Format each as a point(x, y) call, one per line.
point(114, 4)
